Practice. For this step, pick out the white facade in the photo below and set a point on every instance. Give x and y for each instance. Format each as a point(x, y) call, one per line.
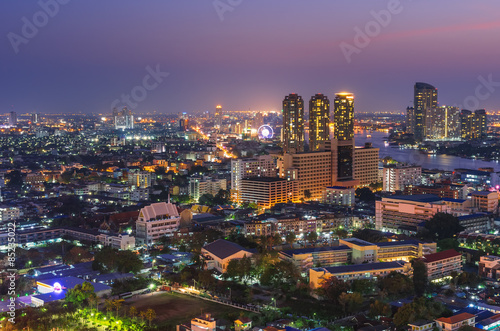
point(261, 166)
point(395, 178)
point(156, 221)
point(9, 213)
point(205, 185)
point(339, 195)
point(140, 179)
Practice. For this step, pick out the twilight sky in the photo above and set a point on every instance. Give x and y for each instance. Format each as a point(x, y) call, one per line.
point(93, 51)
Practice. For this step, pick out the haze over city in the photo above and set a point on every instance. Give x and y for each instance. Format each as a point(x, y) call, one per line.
point(245, 56)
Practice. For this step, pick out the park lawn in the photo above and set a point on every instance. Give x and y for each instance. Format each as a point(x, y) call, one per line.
point(174, 308)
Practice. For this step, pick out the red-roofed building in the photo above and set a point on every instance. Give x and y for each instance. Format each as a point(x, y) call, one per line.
point(455, 322)
point(442, 264)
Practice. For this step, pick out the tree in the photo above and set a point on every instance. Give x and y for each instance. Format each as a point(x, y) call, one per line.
point(442, 226)
point(307, 194)
point(80, 294)
point(396, 284)
point(379, 308)
point(77, 255)
point(111, 260)
point(132, 312)
point(332, 288)
point(14, 178)
point(364, 194)
point(290, 238)
point(150, 315)
point(312, 237)
point(206, 200)
point(448, 243)
point(419, 277)
point(363, 286)
point(351, 302)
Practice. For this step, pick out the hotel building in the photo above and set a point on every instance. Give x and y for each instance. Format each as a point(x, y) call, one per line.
point(268, 191)
point(319, 121)
point(293, 124)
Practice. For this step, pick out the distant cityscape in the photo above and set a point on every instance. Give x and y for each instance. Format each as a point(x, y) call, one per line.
point(258, 220)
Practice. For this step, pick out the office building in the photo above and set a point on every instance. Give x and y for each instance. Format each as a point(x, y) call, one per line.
point(12, 118)
point(357, 271)
point(319, 121)
point(443, 264)
point(344, 134)
point(293, 124)
point(397, 176)
point(410, 120)
point(268, 191)
point(9, 213)
point(425, 98)
point(366, 164)
point(443, 123)
point(218, 117)
point(123, 119)
point(260, 166)
point(155, 221)
point(35, 118)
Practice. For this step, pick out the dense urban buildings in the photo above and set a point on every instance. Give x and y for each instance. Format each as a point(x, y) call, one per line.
point(123, 119)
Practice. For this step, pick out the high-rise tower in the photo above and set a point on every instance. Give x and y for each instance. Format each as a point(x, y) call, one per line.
point(293, 124)
point(425, 97)
point(344, 134)
point(319, 121)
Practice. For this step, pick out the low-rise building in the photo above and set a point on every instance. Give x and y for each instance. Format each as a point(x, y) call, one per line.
point(397, 177)
point(455, 322)
point(489, 267)
point(404, 213)
point(339, 195)
point(442, 264)
point(357, 271)
point(155, 221)
point(218, 254)
point(477, 223)
point(268, 191)
point(485, 201)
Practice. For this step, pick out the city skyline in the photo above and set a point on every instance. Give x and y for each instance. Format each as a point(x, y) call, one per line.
point(73, 64)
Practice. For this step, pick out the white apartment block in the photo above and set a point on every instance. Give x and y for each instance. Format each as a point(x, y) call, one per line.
point(156, 221)
point(205, 185)
point(339, 195)
point(8, 213)
point(260, 166)
point(140, 179)
point(397, 177)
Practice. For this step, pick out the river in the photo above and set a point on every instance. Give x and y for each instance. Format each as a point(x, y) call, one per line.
point(442, 162)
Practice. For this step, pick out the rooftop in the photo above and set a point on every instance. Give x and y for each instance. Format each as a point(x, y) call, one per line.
point(362, 267)
point(441, 255)
point(417, 197)
point(298, 251)
point(455, 318)
point(223, 248)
